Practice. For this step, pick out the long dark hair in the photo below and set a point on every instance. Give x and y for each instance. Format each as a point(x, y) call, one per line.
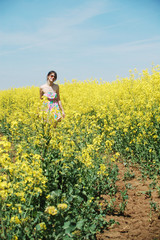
point(51, 73)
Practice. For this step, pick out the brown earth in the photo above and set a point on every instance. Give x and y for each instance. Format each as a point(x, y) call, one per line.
point(139, 221)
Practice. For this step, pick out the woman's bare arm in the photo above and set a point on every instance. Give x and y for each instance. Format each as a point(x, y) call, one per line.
point(41, 93)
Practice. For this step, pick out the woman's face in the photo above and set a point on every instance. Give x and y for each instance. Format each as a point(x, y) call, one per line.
point(52, 77)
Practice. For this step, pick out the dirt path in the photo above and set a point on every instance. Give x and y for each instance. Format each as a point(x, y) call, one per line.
point(138, 222)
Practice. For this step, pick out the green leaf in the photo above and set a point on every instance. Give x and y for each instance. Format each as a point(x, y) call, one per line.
point(93, 228)
point(68, 230)
point(66, 225)
point(67, 237)
point(80, 224)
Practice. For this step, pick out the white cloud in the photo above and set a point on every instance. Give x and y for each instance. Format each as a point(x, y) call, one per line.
point(55, 31)
point(73, 17)
point(67, 32)
point(140, 45)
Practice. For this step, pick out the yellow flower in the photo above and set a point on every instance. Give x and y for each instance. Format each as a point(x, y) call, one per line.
point(91, 199)
point(43, 225)
point(77, 233)
point(155, 136)
point(48, 196)
point(15, 238)
point(102, 170)
point(117, 154)
point(125, 130)
point(9, 204)
point(15, 219)
point(62, 206)
point(113, 159)
point(51, 210)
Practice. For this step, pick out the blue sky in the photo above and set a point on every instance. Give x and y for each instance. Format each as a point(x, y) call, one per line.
point(78, 39)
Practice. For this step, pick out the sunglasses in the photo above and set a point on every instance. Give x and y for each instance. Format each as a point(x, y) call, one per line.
point(53, 76)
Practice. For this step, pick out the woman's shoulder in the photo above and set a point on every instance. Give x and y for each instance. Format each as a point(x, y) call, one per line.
point(43, 86)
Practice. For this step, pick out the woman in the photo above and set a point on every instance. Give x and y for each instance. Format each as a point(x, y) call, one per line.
point(51, 91)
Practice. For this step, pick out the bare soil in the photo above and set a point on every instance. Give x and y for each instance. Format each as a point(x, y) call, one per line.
point(139, 222)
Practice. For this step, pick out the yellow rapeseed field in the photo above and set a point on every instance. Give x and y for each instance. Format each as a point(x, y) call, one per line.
point(51, 179)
